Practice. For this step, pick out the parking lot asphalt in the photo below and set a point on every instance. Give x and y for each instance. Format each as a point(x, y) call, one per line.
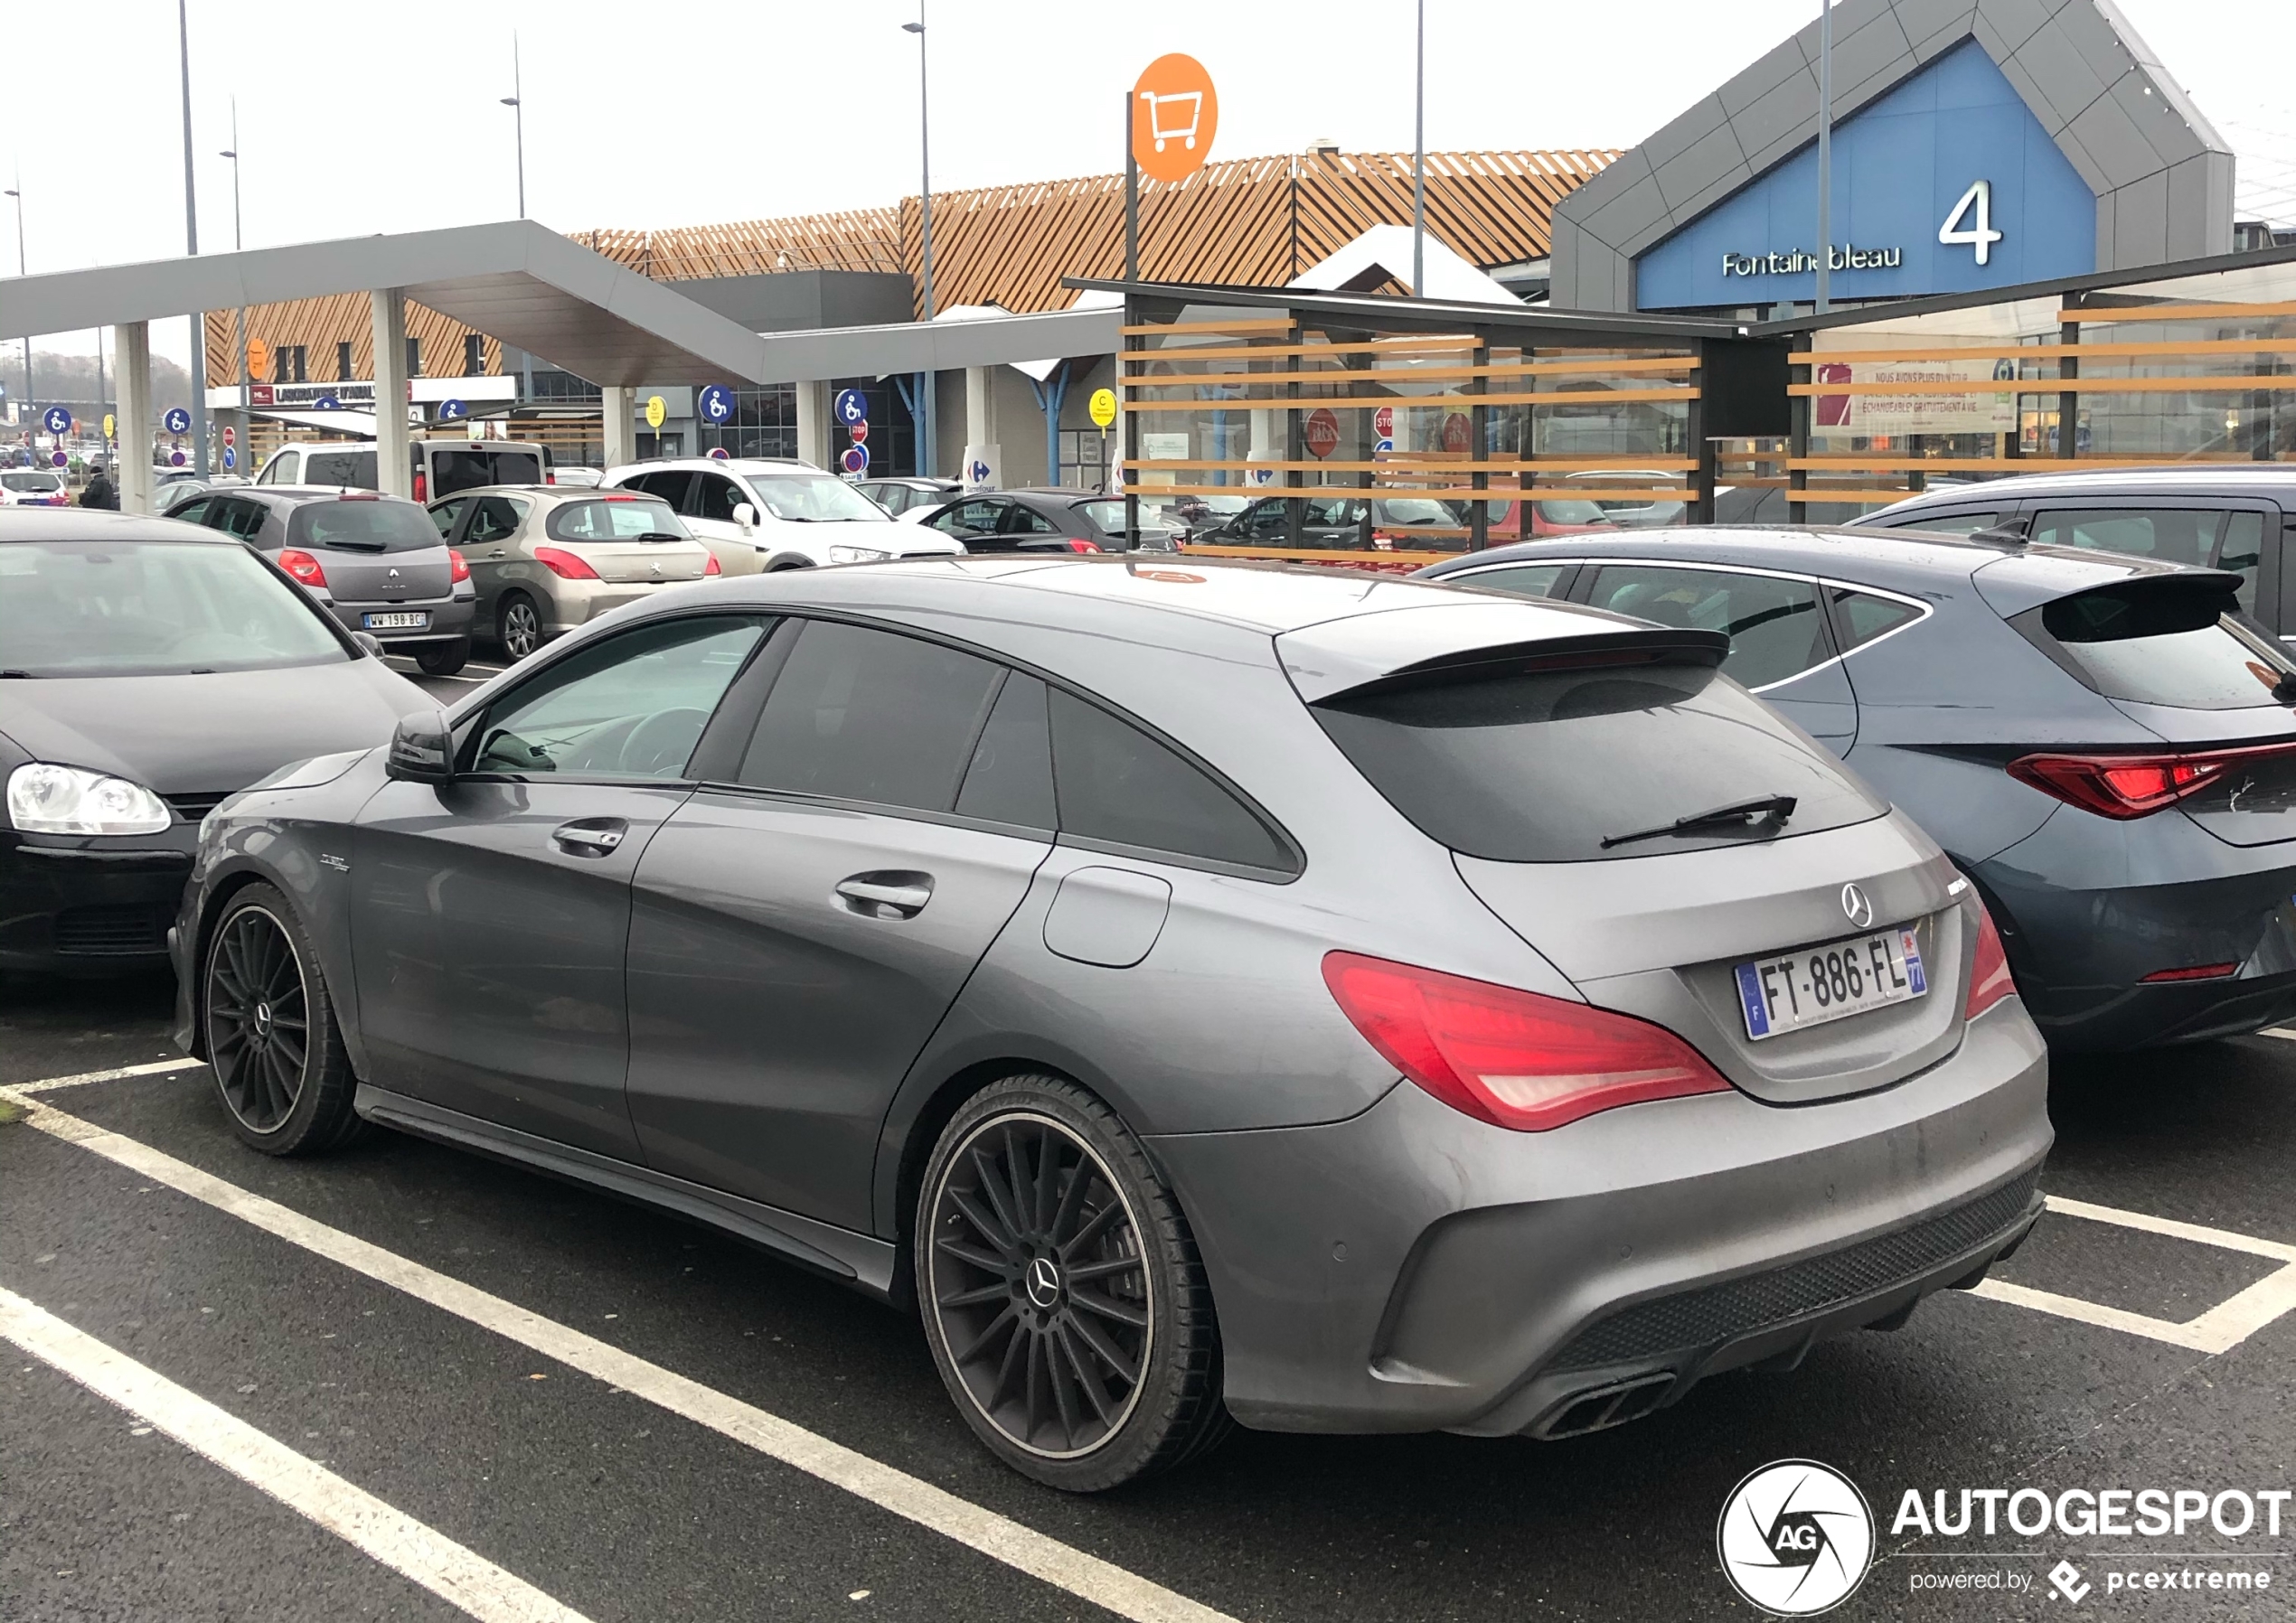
point(625, 1498)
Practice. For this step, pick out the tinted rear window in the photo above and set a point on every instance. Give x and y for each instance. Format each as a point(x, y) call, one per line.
point(356, 526)
point(354, 468)
point(2162, 642)
point(1543, 766)
point(1120, 786)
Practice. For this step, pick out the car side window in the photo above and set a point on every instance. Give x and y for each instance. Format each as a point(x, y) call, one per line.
point(282, 468)
point(1773, 621)
point(980, 516)
point(1010, 779)
point(1019, 518)
point(495, 518)
point(1264, 522)
point(238, 517)
point(2176, 535)
point(2240, 548)
point(1524, 580)
point(671, 485)
point(192, 512)
point(632, 706)
point(863, 714)
point(443, 514)
point(1950, 523)
point(716, 497)
point(1116, 784)
point(1862, 616)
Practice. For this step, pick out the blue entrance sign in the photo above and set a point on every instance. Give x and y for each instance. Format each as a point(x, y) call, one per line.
point(717, 403)
point(176, 421)
point(855, 459)
point(57, 420)
point(231, 459)
point(452, 411)
point(851, 407)
point(1946, 184)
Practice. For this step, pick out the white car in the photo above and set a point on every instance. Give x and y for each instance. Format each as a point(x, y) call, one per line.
point(759, 513)
point(33, 487)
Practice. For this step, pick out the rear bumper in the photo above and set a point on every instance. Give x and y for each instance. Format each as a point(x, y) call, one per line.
point(1412, 1268)
point(576, 603)
point(75, 904)
point(2088, 908)
point(450, 618)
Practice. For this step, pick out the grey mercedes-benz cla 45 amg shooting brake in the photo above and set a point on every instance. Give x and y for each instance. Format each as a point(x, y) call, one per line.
point(1336, 1003)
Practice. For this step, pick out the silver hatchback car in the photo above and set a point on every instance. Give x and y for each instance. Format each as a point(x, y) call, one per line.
point(1200, 992)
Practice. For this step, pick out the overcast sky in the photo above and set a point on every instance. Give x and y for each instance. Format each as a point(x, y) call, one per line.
point(379, 116)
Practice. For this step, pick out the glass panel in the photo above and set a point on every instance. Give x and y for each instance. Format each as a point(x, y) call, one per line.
point(2240, 550)
point(717, 497)
point(499, 517)
point(2163, 641)
point(151, 608)
point(370, 526)
point(1118, 785)
point(622, 520)
point(630, 707)
point(1954, 523)
point(1524, 580)
point(443, 515)
point(356, 469)
point(1863, 616)
point(1773, 625)
point(865, 715)
point(2173, 535)
point(1011, 778)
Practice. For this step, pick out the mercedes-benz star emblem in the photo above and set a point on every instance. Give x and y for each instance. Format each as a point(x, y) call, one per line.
point(1044, 1282)
point(1855, 907)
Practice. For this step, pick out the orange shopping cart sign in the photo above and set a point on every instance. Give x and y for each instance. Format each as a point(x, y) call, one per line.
point(1174, 113)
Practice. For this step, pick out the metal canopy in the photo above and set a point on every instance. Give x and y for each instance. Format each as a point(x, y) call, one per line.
point(515, 280)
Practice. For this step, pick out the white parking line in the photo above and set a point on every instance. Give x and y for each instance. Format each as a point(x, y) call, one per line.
point(2218, 1330)
point(1087, 1577)
point(397, 1539)
point(156, 1068)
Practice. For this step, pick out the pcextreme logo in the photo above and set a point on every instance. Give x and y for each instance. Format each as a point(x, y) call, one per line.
point(1796, 1538)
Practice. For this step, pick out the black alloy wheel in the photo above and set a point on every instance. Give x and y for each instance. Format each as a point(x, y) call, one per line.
point(1064, 1300)
point(517, 627)
point(271, 1038)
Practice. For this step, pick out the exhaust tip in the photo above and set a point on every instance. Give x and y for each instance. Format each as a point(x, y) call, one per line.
point(1605, 1406)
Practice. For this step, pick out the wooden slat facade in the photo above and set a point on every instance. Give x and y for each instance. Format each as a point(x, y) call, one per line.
point(320, 324)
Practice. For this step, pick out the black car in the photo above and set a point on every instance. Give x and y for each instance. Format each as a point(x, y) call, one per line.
point(1341, 521)
point(148, 670)
point(377, 562)
point(2103, 744)
point(1046, 520)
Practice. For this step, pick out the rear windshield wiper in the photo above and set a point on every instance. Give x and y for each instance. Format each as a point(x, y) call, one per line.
point(1770, 808)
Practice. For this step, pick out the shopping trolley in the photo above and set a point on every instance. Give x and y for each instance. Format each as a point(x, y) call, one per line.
point(1165, 129)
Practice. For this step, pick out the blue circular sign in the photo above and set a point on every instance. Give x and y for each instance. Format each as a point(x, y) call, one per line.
point(851, 407)
point(718, 453)
point(856, 459)
point(57, 458)
point(327, 403)
point(57, 420)
point(175, 459)
point(451, 411)
point(231, 459)
point(717, 403)
point(177, 420)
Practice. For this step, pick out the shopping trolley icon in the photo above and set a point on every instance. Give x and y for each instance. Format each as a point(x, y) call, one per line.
point(1164, 113)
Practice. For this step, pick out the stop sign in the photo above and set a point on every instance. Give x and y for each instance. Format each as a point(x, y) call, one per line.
point(1383, 423)
point(1455, 430)
point(1323, 432)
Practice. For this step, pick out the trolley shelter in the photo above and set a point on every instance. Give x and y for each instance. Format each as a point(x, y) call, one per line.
point(1387, 432)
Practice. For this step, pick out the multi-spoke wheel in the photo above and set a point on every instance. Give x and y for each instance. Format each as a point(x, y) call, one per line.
point(518, 627)
point(1062, 1294)
point(271, 1038)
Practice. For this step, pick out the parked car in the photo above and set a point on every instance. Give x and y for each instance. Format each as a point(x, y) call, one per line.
point(155, 669)
point(375, 560)
point(1047, 520)
point(33, 487)
point(2222, 515)
point(909, 498)
point(440, 467)
point(758, 513)
point(1145, 974)
point(1338, 522)
point(178, 494)
point(575, 473)
point(2103, 744)
point(545, 559)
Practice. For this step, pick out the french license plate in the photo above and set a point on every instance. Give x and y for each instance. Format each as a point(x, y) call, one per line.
point(412, 620)
point(1831, 982)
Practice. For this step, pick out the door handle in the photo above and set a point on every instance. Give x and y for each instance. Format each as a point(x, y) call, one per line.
point(589, 836)
point(889, 895)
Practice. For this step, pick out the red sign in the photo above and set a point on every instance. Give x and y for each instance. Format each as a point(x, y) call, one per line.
point(230, 439)
point(1456, 427)
point(860, 431)
point(259, 394)
point(1383, 423)
point(1322, 433)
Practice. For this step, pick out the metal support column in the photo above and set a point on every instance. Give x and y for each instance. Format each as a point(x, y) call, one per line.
point(1798, 408)
point(394, 463)
point(2068, 401)
point(1294, 444)
point(1479, 442)
point(618, 408)
point(132, 355)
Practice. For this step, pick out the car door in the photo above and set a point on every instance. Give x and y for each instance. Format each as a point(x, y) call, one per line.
point(801, 924)
point(489, 544)
point(1780, 646)
point(492, 913)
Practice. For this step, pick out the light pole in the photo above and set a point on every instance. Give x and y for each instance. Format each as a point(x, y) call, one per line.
point(191, 245)
point(239, 319)
point(1419, 169)
point(925, 159)
point(516, 102)
point(1825, 152)
point(16, 192)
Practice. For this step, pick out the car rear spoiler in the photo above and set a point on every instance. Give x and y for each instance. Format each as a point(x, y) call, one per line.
point(1380, 653)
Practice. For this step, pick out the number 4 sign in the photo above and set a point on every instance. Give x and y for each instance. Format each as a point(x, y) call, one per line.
point(1978, 234)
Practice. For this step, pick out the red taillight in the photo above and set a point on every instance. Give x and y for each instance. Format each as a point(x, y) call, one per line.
point(549, 476)
point(458, 566)
point(2126, 786)
point(302, 565)
point(710, 566)
point(1513, 1058)
point(422, 485)
point(1989, 970)
point(564, 563)
point(2198, 971)
point(1076, 544)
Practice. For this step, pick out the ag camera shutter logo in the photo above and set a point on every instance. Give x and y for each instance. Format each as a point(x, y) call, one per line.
point(1796, 1538)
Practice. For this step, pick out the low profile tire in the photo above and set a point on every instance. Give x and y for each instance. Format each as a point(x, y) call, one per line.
point(443, 659)
point(518, 625)
point(272, 1040)
point(1062, 1295)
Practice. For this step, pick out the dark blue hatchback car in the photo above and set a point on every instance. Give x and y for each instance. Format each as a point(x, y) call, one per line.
point(2105, 745)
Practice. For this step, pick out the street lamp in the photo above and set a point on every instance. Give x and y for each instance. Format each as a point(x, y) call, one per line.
point(191, 245)
point(1825, 301)
point(925, 160)
point(239, 321)
point(1419, 169)
point(16, 192)
point(516, 102)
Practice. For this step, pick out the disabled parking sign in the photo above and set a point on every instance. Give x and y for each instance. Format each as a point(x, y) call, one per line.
point(851, 407)
point(716, 401)
point(57, 420)
point(176, 421)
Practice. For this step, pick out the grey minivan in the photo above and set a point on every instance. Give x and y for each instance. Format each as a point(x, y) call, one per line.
point(1199, 992)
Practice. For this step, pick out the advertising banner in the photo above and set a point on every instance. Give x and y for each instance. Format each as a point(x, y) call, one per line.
point(1972, 413)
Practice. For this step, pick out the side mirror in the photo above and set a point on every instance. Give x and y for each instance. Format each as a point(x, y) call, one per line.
point(369, 645)
point(422, 749)
point(746, 516)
